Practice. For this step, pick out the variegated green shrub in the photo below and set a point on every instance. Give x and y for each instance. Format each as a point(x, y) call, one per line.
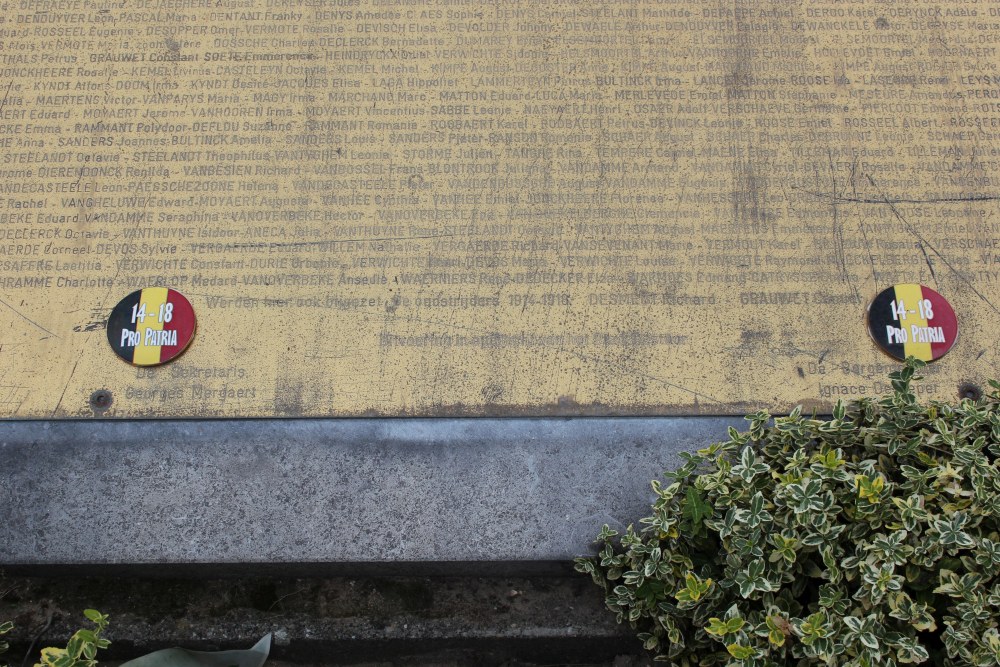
point(81, 650)
point(872, 538)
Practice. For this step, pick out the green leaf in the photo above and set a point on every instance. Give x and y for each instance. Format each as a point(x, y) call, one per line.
point(176, 657)
point(740, 652)
point(749, 466)
point(94, 615)
point(778, 628)
point(719, 627)
point(695, 511)
point(694, 588)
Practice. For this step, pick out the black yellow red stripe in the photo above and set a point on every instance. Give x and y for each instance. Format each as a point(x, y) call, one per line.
point(912, 320)
point(147, 352)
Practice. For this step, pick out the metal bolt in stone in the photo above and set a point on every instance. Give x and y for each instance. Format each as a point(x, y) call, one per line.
point(101, 399)
point(970, 391)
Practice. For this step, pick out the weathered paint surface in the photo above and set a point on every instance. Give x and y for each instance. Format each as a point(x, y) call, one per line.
point(491, 209)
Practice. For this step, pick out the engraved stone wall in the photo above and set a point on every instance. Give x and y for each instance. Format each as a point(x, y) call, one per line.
point(446, 208)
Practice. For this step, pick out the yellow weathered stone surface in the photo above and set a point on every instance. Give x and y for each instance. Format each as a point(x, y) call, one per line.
point(464, 208)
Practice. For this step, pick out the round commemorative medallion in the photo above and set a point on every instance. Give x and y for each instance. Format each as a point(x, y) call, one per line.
point(912, 321)
point(151, 326)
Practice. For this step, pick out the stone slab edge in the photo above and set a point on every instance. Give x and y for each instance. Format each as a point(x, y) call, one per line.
point(363, 496)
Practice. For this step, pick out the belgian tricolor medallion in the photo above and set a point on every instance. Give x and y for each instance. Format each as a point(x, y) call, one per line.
point(151, 326)
point(912, 321)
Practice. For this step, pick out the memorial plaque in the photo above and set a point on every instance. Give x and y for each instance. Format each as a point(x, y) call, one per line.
point(400, 208)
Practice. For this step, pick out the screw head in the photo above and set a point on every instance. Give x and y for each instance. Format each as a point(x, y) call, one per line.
point(969, 391)
point(101, 399)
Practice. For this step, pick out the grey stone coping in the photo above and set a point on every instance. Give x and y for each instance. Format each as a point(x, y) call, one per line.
point(368, 496)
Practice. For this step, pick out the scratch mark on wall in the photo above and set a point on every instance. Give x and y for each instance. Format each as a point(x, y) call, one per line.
point(861, 224)
point(838, 230)
point(923, 250)
point(924, 241)
point(27, 319)
point(868, 249)
point(65, 387)
point(6, 95)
